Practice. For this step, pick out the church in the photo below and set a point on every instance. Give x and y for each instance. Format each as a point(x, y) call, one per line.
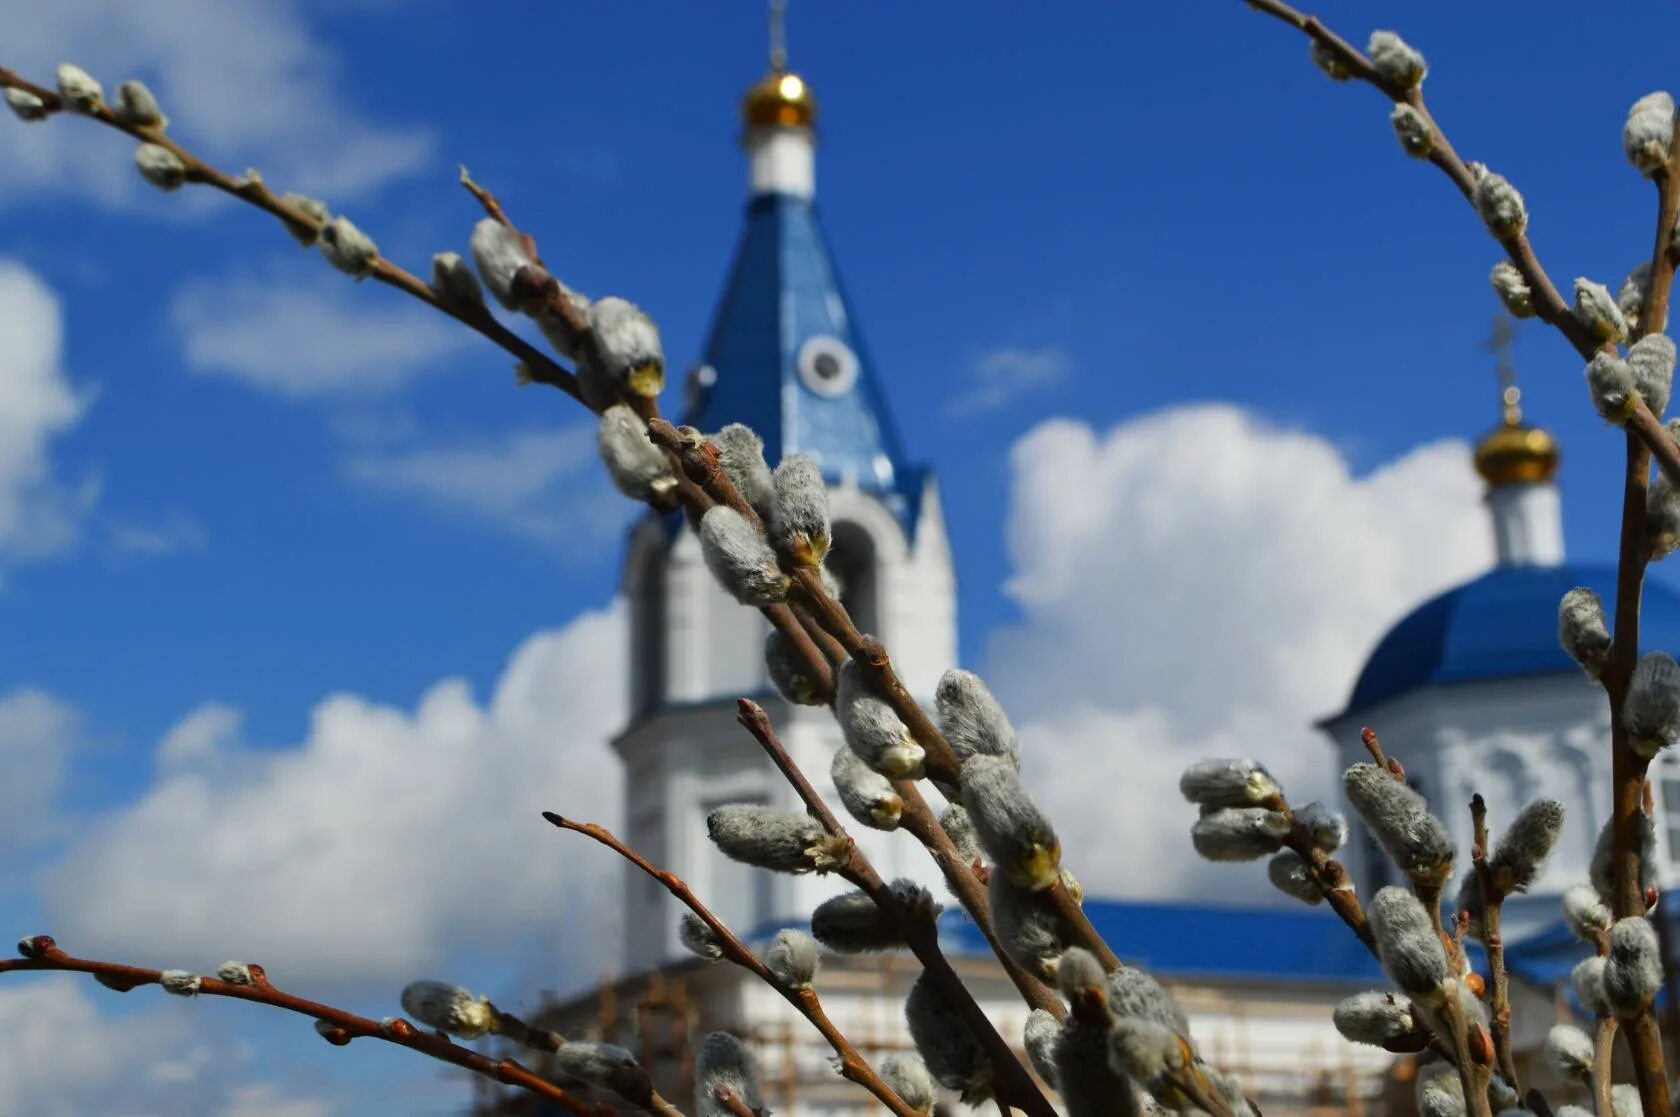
point(1470, 687)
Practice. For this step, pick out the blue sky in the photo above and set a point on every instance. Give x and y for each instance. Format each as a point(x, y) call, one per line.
point(286, 487)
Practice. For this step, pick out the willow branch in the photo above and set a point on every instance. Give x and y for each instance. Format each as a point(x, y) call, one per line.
point(852, 1064)
point(1604, 1054)
point(515, 1029)
point(1493, 899)
point(1548, 303)
point(340, 1027)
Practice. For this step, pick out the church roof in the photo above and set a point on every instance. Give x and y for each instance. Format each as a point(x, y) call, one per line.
point(786, 358)
point(1501, 625)
point(1207, 941)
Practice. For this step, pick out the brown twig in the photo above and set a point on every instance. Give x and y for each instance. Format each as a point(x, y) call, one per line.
point(1015, 1086)
point(733, 1102)
point(342, 1026)
point(515, 1029)
point(805, 1000)
point(1604, 1040)
point(1493, 899)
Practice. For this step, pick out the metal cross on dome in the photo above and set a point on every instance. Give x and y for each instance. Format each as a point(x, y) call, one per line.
point(1499, 340)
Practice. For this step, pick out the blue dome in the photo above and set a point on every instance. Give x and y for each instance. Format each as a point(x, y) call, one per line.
point(1499, 626)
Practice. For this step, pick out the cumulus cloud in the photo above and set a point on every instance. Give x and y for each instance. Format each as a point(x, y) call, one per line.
point(244, 81)
point(304, 336)
point(1196, 583)
point(40, 511)
point(384, 839)
point(38, 733)
point(1001, 376)
point(545, 484)
point(65, 1057)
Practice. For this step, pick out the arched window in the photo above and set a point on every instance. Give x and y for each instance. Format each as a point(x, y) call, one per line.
point(647, 635)
point(851, 559)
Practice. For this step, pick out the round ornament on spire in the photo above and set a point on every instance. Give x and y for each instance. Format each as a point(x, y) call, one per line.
point(780, 99)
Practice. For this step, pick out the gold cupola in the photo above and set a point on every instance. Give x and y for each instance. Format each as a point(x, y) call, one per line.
point(780, 98)
point(1513, 452)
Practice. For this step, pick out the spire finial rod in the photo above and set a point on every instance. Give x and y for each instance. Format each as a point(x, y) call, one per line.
point(1499, 341)
point(778, 35)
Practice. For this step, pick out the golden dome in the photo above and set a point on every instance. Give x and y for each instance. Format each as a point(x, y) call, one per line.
point(779, 98)
point(1513, 452)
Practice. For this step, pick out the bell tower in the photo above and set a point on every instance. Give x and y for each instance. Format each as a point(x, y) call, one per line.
point(786, 357)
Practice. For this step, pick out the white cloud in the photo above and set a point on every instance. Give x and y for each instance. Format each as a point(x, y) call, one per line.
point(65, 1057)
point(1004, 375)
point(1195, 583)
point(380, 842)
point(243, 81)
point(311, 336)
point(40, 513)
point(170, 534)
point(545, 485)
point(37, 735)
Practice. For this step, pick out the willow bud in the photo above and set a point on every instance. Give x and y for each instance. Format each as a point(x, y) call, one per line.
point(347, 248)
point(501, 255)
point(1630, 300)
point(1408, 945)
point(1625, 1101)
point(1143, 1050)
point(448, 1008)
point(1027, 927)
point(1239, 833)
point(1325, 59)
point(872, 729)
point(1040, 1036)
point(942, 1038)
point(1585, 911)
point(1652, 360)
point(1662, 517)
point(908, 1077)
point(1135, 993)
point(781, 841)
point(792, 958)
point(180, 983)
point(1587, 979)
point(607, 1065)
point(1498, 202)
point(853, 923)
point(1633, 968)
point(1395, 60)
point(80, 91)
point(1569, 1052)
point(628, 344)
point(136, 105)
point(1651, 708)
point(741, 455)
point(1015, 834)
point(1597, 311)
point(1377, 1019)
point(638, 468)
point(1227, 783)
point(739, 558)
point(1521, 852)
point(799, 522)
point(724, 1063)
point(160, 166)
point(1439, 1092)
point(1612, 387)
point(867, 795)
point(1417, 138)
point(1649, 133)
point(698, 938)
point(1327, 827)
point(1513, 291)
point(453, 281)
point(316, 210)
point(1292, 876)
point(1400, 819)
point(1582, 629)
point(25, 105)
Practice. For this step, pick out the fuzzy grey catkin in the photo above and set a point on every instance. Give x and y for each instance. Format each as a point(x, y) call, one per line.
point(1027, 926)
point(1651, 359)
point(607, 1065)
point(1630, 299)
point(1662, 517)
point(872, 729)
point(1291, 876)
point(799, 522)
point(725, 1062)
point(741, 456)
point(500, 255)
point(1132, 992)
point(972, 719)
point(1582, 630)
point(1439, 1092)
point(699, 938)
point(1238, 833)
point(1569, 1052)
point(314, 209)
point(1227, 783)
point(1142, 1049)
point(959, 827)
point(1587, 980)
point(770, 839)
point(952, 1054)
point(638, 468)
point(792, 957)
point(448, 1008)
point(1400, 819)
point(789, 671)
point(1610, 384)
point(1498, 202)
point(908, 1077)
point(628, 346)
point(1395, 60)
point(1015, 834)
point(853, 923)
point(1633, 968)
point(1520, 854)
point(1040, 1035)
point(1597, 311)
point(867, 795)
point(1374, 1018)
point(453, 280)
point(1327, 827)
point(160, 166)
point(739, 558)
point(347, 248)
point(1584, 909)
point(1651, 709)
point(81, 92)
point(1513, 291)
point(1649, 132)
point(1625, 1101)
point(1416, 137)
point(25, 105)
point(1078, 972)
point(235, 973)
point(1085, 1078)
point(137, 106)
point(1408, 945)
point(180, 982)
point(1327, 62)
